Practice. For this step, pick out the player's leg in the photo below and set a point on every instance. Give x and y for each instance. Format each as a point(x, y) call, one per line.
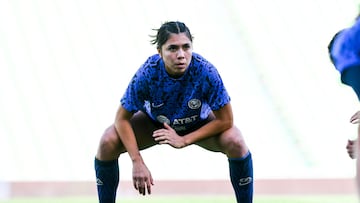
point(232, 143)
point(109, 150)
point(106, 166)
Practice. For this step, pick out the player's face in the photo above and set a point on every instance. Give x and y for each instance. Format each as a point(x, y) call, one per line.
point(176, 54)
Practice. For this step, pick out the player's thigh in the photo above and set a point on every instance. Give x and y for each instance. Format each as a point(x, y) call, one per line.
point(143, 128)
point(230, 142)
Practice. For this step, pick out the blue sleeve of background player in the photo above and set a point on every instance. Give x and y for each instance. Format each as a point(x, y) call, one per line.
point(346, 48)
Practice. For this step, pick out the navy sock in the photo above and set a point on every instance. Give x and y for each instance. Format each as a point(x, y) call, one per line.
point(107, 180)
point(241, 175)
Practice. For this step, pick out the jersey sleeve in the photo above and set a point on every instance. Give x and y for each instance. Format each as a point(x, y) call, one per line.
point(135, 93)
point(217, 95)
point(351, 48)
point(345, 50)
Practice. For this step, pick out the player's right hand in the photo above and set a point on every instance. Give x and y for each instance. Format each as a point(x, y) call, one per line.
point(351, 148)
point(142, 178)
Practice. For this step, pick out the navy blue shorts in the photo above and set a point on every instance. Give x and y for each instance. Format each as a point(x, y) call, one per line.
point(351, 77)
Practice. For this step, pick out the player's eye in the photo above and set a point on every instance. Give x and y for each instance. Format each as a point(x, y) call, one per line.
point(186, 46)
point(173, 48)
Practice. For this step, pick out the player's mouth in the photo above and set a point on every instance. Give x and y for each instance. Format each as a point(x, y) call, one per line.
point(181, 65)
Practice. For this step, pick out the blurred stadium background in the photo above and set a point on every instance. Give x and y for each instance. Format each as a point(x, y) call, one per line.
point(65, 64)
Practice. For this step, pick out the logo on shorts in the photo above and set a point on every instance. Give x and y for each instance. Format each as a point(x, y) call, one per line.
point(163, 119)
point(245, 181)
point(194, 104)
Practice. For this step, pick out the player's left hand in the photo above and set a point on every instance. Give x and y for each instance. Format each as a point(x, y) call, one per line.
point(168, 135)
point(355, 118)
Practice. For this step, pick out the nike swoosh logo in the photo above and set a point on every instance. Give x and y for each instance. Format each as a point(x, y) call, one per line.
point(157, 106)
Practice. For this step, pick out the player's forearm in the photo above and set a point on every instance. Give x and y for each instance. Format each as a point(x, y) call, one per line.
point(212, 128)
point(223, 121)
point(127, 137)
point(126, 133)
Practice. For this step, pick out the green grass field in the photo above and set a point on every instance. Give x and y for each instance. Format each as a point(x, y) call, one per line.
point(195, 199)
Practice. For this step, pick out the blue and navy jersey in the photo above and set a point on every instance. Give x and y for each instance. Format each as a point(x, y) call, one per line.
point(345, 47)
point(181, 102)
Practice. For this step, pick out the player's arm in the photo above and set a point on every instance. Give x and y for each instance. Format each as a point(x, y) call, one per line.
point(126, 133)
point(142, 179)
point(223, 121)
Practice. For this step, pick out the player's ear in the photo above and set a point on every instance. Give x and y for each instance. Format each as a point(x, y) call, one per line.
point(159, 52)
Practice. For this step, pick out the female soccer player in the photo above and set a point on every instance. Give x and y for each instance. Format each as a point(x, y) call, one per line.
point(344, 51)
point(177, 98)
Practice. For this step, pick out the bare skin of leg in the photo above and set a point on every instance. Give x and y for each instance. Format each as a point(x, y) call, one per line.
point(230, 142)
point(111, 147)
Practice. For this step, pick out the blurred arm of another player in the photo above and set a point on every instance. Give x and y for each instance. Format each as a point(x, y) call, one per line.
point(351, 144)
point(351, 148)
point(355, 118)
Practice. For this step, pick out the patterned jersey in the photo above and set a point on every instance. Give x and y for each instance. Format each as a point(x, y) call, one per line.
point(182, 102)
point(345, 48)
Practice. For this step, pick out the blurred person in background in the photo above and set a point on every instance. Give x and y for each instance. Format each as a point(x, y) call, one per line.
point(176, 98)
point(344, 53)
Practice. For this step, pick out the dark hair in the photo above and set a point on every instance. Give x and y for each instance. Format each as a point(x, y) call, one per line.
point(171, 27)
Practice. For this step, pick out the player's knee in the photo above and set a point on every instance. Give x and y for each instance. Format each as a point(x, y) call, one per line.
point(110, 145)
point(234, 144)
point(109, 138)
